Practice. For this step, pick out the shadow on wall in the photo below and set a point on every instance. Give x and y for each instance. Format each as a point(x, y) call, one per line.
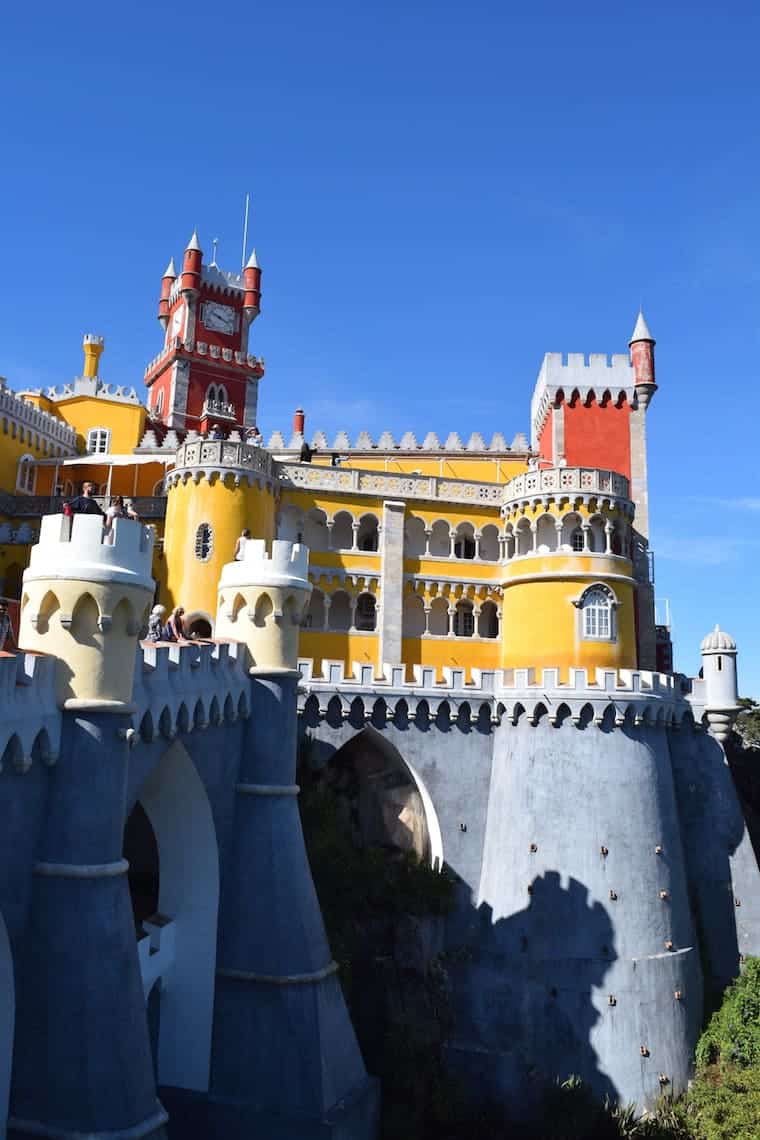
point(525, 987)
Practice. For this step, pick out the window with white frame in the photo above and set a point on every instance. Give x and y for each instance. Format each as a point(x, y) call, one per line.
point(25, 475)
point(98, 441)
point(598, 614)
point(576, 540)
point(204, 542)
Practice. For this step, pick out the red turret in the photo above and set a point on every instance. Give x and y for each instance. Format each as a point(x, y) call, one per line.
point(191, 265)
point(642, 345)
point(252, 282)
point(168, 279)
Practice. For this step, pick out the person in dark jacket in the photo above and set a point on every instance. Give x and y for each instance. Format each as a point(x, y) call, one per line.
point(84, 504)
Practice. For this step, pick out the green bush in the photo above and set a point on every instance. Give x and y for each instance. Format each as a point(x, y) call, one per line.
point(733, 1034)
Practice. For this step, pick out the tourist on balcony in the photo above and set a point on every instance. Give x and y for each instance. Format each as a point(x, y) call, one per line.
point(7, 643)
point(240, 544)
point(156, 624)
point(254, 437)
point(306, 453)
point(118, 510)
point(217, 432)
point(175, 627)
point(84, 504)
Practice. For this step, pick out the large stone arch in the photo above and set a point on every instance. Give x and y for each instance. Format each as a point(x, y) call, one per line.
point(378, 743)
point(7, 1022)
point(175, 801)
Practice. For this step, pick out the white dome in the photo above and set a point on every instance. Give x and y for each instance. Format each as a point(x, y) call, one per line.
point(718, 642)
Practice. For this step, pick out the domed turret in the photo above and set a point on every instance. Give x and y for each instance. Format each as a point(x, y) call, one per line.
point(168, 279)
point(192, 263)
point(721, 685)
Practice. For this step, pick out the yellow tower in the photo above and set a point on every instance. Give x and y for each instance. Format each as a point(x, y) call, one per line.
point(569, 591)
point(85, 597)
point(93, 350)
point(217, 489)
point(262, 600)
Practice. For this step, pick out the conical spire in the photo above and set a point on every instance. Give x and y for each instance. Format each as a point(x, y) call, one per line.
point(641, 331)
point(253, 262)
point(193, 243)
point(170, 271)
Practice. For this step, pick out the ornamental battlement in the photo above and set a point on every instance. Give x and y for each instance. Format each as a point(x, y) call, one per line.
point(49, 426)
point(475, 445)
point(609, 696)
point(78, 547)
point(286, 565)
point(197, 457)
point(30, 727)
point(577, 375)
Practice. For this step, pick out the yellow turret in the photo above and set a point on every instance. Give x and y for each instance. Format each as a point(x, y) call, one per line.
point(85, 597)
point(93, 350)
point(262, 600)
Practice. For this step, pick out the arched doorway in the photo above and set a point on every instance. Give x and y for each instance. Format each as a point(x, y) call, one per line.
point(7, 1022)
point(170, 841)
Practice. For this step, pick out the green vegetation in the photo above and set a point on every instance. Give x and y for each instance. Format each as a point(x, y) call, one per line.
point(748, 722)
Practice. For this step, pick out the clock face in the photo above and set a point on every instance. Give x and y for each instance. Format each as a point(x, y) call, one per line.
point(178, 320)
point(219, 318)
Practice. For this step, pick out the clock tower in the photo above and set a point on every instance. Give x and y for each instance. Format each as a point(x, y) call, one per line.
point(204, 377)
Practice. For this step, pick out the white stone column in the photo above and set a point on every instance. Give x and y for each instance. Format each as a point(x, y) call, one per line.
point(608, 537)
point(426, 607)
point(585, 528)
point(452, 540)
point(352, 601)
point(428, 532)
point(452, 615)
point(328, 602)
point(392, 589)
point(354, 535)
point(534, 536)
point(478, 552)
point(329, 524)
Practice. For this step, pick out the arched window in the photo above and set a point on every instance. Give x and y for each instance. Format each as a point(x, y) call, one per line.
point(413, 616)
point(211, 394)
point(98, 441)
point(159, 404)
point(339, 614)
point(221, 394)
point(367, 537)
point(342, 532)
point(576, 540)
point(464, 543)
point(597, 612)
point(464, 620)
point(314, 618)
point(365, 612)
point(488, 621)
point(204, 542)
point(25, 476)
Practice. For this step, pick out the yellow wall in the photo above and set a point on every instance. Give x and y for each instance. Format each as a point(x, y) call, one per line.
point(541, 627)
point(229, 509)
point(482, 470)
point(12, 448)
point(458, 652)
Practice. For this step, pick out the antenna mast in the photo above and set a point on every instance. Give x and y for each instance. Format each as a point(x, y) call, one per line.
point(245, 230)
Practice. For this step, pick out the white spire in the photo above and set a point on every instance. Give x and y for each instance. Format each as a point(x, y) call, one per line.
point(252, 262)
point(641, 332)
point(193, 243)
point(170, 271)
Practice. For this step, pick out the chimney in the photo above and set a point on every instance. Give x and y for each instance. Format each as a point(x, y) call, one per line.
point(299, 421)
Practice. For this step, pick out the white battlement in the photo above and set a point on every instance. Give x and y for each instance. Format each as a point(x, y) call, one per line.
point(287, 566)
point(31, 722)
point(77, 547)
point(49, 427)
point(179, 688)
point(638, 695)
point(577, 373)
point(364, 442)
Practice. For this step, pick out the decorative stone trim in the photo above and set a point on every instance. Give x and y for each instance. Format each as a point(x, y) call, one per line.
point(279, 979)
point(82, 870)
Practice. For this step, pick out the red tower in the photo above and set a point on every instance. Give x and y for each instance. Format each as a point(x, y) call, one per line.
point(204, 376)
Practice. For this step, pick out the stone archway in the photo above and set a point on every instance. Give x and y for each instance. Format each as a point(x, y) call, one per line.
point(7, 1022)
point(393, 805)
point(174, 801)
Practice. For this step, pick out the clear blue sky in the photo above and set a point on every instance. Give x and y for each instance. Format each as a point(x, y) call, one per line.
point(442, 192)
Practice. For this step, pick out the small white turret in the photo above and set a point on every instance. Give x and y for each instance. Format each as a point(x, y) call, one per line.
point(262, 600)
point(721, 686)
point(85, 597)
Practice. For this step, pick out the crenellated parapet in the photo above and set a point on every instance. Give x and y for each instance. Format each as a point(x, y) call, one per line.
point(576, 376)
point(49, 427)
point(606, 697)
point(219, 458)
point(364, 443)
point(262, 599)
point(181, 688)
point(30, 727)
point(86, 594)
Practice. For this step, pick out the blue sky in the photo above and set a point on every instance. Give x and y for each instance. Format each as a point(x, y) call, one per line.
point(441, 193)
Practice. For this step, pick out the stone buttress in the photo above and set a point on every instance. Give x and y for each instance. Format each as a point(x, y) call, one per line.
point(285, 1060)
point(82, 1063)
